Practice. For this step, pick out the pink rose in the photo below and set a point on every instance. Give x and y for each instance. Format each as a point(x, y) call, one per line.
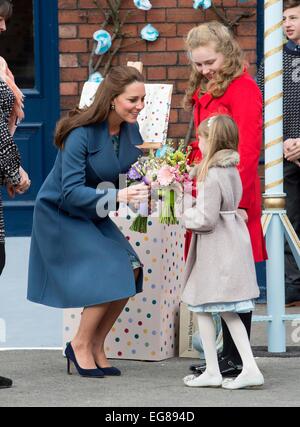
point(166, 175)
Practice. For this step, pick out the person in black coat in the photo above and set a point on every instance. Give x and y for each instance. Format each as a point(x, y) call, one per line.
point(11, 110)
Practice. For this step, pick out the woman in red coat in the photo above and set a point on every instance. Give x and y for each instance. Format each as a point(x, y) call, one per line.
point(219, 83)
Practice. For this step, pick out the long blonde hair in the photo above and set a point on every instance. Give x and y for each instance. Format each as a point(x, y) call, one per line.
point(224, 42)
point(221, 133)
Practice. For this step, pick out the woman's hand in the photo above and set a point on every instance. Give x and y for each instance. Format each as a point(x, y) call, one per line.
point(291, 149)
point(135, 194)
point(243, 214)
point(24, 183)
point(11, 190)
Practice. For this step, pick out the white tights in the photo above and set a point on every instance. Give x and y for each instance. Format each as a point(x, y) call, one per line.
point(250, 375)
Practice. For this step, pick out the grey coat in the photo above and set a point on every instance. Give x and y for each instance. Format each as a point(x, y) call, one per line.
point(220, 265)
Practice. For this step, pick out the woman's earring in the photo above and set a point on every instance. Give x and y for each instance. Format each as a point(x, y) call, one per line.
point(112, 107)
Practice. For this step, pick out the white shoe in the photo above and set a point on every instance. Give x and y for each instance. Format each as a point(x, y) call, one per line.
point(188, 378)
point(203, 380)
point(244, 381)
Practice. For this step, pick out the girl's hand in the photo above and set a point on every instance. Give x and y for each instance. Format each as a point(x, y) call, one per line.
point(243, 214)
point(134, 194)
point(24, 183)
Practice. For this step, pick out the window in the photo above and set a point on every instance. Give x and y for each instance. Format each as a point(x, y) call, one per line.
point(17, 44)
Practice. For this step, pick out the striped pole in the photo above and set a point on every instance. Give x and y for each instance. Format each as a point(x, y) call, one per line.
point(274, 197)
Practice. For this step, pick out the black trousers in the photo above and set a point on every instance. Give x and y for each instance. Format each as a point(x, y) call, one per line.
point(2, 257)
point(229, 348)
point(292, 190)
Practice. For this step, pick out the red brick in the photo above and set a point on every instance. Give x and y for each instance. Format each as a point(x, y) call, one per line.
point(95, 17)
point(156, 15)
point(183, 58)
point(156, 73)
point(134, 45)
point(181, 86)
point(73, 74)
point(183, 29)
point(178, 73)
point(247, 42)
point(164, 3)
point(246, 28)
point(126, 57)
point(73, 45)
point(67, 4)
point(175, 44)
point(251, 56)
point(184, 116)
point(72, 17)
point(83, 59)
point(87, 30)
point(69, 102)
point(68, 60)
point(87, 4)
point(159, 45)
point(67, 31)
point(252, 70)
point(177, 101)
point(177, 130)
point(167, 30)
point(168, 58)
point(135, 16)
point(173, 116)
point(69, 89)
point(183, 15)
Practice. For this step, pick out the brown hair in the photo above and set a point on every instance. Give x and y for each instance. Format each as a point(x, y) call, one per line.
point(6, 9)
point(289, 4)
point(225, 43)
point(113, 85)
point(221, 133)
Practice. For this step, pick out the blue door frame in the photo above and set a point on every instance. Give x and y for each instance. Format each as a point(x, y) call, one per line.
point(34, 136)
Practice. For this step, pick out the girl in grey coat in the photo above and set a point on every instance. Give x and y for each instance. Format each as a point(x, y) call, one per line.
point(220, 273)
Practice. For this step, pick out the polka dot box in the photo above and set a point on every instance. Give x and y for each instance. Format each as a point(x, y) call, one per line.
point(148, 327)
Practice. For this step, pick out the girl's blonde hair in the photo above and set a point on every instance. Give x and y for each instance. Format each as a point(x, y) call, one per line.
point(221, 133)
point(224, 42)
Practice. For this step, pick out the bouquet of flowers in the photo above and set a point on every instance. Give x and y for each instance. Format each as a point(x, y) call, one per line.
point(166, 172)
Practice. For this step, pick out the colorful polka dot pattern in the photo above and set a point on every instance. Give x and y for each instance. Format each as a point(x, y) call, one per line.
point(154, 119)
point(148, 327)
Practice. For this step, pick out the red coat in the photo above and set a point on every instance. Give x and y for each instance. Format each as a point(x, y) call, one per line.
point(243, 102)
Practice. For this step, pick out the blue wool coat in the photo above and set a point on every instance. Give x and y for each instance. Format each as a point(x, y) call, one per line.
point(77, 258)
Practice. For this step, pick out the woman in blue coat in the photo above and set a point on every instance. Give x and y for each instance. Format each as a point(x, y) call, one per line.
point(78, 256)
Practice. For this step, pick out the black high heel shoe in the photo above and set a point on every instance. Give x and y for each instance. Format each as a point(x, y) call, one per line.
point(5, 383)
point(112, 371)
point(87, 373)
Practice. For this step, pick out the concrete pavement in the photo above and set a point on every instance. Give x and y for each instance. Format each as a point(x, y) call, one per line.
point(41, 380)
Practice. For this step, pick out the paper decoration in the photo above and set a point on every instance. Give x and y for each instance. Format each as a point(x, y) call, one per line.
point(149, 33)
point(143, 4)
point(96, 78)
point(205, 4)
point(154, 119)
point(104, 42)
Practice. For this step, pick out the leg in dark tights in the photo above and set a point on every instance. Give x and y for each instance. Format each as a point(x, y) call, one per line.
point(2, 257)
point(4, 382)
point(229, 348)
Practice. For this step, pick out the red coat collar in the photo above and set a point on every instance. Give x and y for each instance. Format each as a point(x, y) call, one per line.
point(204, 100)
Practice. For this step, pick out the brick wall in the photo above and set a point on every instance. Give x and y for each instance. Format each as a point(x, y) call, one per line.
point(164, 60)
